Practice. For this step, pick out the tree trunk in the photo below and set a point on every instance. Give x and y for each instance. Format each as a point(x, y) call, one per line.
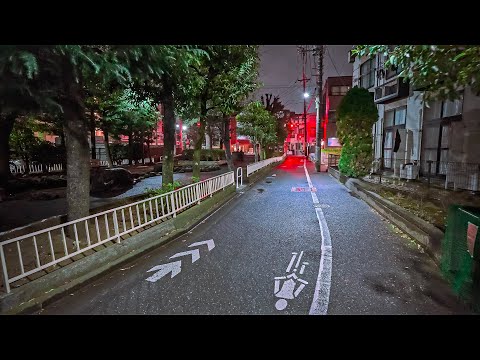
point(92, 134)
point(226, 141)
point(208, 137)
point(130, 146)
point(107, 148)
point(168, 137)
point(78, 162)
point(6, 127)
point(197, 153)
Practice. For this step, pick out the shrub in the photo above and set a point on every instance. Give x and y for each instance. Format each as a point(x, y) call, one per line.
point(356, 115)
point(164, 189)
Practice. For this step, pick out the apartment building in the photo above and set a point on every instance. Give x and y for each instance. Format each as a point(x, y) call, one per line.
point(440, 137)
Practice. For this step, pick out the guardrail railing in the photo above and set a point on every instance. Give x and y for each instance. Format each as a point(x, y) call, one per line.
point(44, 249)
point(251, 168)
point(34, 169)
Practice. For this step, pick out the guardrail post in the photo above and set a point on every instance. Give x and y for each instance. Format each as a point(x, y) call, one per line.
point(197, 189)
point(4, 267)
point(115, 225)
point(172, 201)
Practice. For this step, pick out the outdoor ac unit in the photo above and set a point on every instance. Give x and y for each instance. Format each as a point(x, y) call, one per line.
point(409, 172)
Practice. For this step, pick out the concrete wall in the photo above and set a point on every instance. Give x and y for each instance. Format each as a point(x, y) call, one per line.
point(465, 135)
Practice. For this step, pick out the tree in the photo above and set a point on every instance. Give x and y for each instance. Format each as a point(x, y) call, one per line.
point(165, 72)
point(57, 73)
point(441, 69)
point(259, 124)
point(356, 115)
point(226, 77)
point(277, 109)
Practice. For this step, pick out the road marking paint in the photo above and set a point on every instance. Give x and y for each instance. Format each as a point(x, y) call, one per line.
point(321, 296)
point(287, 291)
point(210, 244)
point(195, 255)
point(299, 258)
point(164, 269)
point(291, 261)
point(302, 269)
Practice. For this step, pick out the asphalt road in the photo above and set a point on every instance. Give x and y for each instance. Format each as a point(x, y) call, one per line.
point(266, 260)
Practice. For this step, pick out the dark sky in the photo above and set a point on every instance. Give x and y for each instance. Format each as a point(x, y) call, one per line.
point(281, 66)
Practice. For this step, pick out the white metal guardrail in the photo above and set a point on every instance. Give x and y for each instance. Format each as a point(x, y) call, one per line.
point(34, 169)
point(251, 168)
point(239, 176)
point(40, 250)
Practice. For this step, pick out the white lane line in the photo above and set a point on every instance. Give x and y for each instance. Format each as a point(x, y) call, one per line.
point(321, 296)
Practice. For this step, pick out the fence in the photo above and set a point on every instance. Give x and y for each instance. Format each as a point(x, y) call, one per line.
point(333, 159)
point(45, 249)
point(251, 168)
point(447, 174)
point(35, 169)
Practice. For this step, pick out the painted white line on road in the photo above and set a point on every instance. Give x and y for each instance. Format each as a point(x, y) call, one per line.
point(195, 255)
point(291, 261)
point(321, 296)
point(164, 269)
point(298, 261)
point(210, 244)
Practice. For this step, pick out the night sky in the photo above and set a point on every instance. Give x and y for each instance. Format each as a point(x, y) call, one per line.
point(281, 66)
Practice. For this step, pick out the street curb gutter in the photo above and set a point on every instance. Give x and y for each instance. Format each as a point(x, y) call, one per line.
point(427, 235)
point(42, 291)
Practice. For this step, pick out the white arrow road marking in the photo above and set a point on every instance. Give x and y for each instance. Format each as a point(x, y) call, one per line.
point(195, 254)
point(210, 244)
point(164, 269)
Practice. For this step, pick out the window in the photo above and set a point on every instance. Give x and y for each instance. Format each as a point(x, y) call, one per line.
point(451, 108)
point(400, 116)
point(367, 74)
point(339, 90)
point(389, 115)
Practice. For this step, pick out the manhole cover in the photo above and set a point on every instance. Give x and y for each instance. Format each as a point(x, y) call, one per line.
point(260, 190)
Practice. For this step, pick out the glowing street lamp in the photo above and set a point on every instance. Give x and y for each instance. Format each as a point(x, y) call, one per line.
point(184, 127)
point(306, 95)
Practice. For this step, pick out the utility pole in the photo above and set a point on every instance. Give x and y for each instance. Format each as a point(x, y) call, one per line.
point(319, 103)
point(304, 80)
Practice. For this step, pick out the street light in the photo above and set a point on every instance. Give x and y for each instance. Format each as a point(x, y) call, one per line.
point(306, 95)
point(177, 126)
point(184, 127)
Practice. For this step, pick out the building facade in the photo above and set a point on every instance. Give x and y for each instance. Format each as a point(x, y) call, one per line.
point(333, 92)
point(440, 137)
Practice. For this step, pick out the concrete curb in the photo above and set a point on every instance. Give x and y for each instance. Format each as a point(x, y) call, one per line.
point(427, 235)
point(42, 291)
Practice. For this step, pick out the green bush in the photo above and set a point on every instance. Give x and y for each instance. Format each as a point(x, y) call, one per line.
point(205, 155)
point(357, 113)
point(164, 189)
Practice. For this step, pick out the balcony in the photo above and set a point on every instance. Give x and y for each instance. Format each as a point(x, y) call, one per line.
point(391, 91)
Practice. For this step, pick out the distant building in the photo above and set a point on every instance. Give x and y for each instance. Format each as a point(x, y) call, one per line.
point(333, 92)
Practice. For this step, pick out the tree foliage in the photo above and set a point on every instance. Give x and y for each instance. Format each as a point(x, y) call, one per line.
point(441, 69)
point(356, 115)
point(257, 123)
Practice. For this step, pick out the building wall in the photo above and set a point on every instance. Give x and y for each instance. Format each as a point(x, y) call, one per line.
point(465, 134)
